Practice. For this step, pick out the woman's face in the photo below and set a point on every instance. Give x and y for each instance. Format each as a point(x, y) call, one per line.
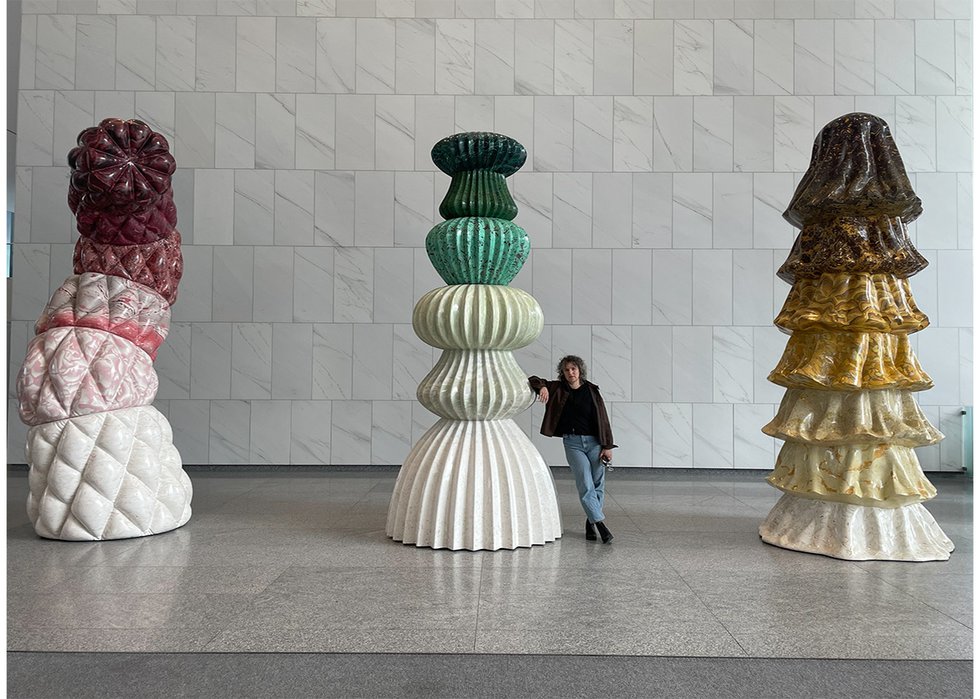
point(570, 370)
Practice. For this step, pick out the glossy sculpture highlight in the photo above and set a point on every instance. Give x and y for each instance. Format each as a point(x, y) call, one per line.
point(853, 487)
point(102, 460)
point(474, 480)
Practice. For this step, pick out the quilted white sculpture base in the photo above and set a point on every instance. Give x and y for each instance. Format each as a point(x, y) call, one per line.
point(855, 532)
point(111, 475)
point(474, 485)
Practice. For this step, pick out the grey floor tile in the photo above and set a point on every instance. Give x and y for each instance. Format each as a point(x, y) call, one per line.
point(895, 643)
point(171, 579)
point(585, 640)
point(88, 640)
point(338, 640)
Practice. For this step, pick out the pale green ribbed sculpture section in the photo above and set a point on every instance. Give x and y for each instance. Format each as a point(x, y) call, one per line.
point(474, 480)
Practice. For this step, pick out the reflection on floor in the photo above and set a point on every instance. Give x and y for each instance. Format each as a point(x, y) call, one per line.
point(299, 562)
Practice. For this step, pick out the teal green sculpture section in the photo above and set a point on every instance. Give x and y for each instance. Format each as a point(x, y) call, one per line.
point(478, 244)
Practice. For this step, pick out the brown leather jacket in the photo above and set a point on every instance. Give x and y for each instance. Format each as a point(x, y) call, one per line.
point(557, 395)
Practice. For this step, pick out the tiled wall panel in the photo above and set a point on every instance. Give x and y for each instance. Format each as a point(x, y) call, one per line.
point(665, 138)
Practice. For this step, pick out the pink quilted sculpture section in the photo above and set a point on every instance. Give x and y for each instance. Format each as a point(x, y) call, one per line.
point(158, 265)
point(156, 221)
point(77, 371)
point(114, 304)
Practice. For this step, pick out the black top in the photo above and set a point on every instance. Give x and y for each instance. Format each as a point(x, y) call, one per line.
point(578, 416)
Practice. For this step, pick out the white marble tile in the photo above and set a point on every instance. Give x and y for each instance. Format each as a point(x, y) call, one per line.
point(190, 421)
point(395, 132)
point(553, 128)
point(28, 57)
point(422, 421)
point(517, 9)
point(294, 208)
point(412, 360)
point(333, 201)
point(672, 290)
point(874, 9)
point(953, 9)
point(752, 148)
point(814, 57)
point(826, 108)
point(534, 57)
point(534, 194)
point(794, 9)
point(35, 128)
point(254, 201)
point(768, 344)
point(854, 57)
point(21, 332)
point(373, 355)
point(732, 365)
point(292, 365)
point(454, 56)
point(51, 221)
point(315, 130)
point(475, 9)
point(355, 132)
point(774, 57)
point(895, 57)
point(633, 9)
point(633, 428)
point(393, 292)
point(273, 294)
point(216, 54)
point(693, 57)
point(30, 282)
point(714, 436)
point(415, 56)
point(55, 52)
point(156, 109)
point(332, 360)
point(296, 54)
point(23, 183)
point(350, 441)
point(914, 9)
point(95, 53)
point(613, 72)
point(592, 136)
point(214, 207)
point(964, 208)
point(951, 449)
point(753, 277)
point(612, 207)
point(234, 130)
point(964, 55)
point(313, 284)
point(269, 432)
point(173, 363)
point(937, 346)
point(653, 210)
point(572, 210)
point(353, 285)
point(494, 57)
point(275, 131)
point(915, 132)
point(210, 360)
point(633, 134)
point(591, 291)
point(731, 210)
point(374, 203)
point(653, 57)
point(632, 287)
point(194, 115)
point(426, 277)
point(194, 302)
point(574, 57)
point(73, 111)
point(251, 360)
point(232, 284)
point(954, 117)
point(473, 113)
point(713, 134)
point(435, 8)
point(925, 286)
point(355, 8)
point(567, 339)
point(651, 363)
point(883, 106)
point(673, 137)
point(712, 287)
point(770, 196)
point(673, 435)
point(554, 8)
point(937, 227)
point(255, 54)
point(733, 57)
point(955, 292)
point(229, 432)
point(552, 284)
point(309, 431)
point(793, 132)
point(966, 364)
point(414, 210)
point(374, 65)
point(692, 210)
point(753, 448)
point(391, 432)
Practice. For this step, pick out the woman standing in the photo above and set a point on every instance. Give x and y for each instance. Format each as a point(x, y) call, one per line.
point(575, 411)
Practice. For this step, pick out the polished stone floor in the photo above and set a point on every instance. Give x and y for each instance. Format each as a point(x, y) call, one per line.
point(299, 562)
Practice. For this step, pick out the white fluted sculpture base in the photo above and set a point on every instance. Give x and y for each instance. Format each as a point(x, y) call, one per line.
point(855, 532)
point(474, 485)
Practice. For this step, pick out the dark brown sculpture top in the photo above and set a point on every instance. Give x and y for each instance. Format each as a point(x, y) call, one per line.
point(855, 170)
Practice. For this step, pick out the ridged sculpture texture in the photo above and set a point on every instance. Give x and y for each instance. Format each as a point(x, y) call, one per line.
point(474, 480)
point(102, 460)
point(853, 487)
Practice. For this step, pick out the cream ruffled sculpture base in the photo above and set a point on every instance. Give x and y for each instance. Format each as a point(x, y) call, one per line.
point(110, 475)
point(855, 532)
point(475, 485)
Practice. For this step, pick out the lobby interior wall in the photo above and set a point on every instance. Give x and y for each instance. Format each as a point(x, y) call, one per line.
point(664, 140)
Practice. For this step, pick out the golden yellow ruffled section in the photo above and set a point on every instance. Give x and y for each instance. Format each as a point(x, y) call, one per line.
point(849, 361)
point(853, 303)
point(876, 475)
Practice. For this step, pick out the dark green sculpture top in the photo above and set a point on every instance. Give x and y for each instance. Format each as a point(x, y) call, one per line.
point(478, 162)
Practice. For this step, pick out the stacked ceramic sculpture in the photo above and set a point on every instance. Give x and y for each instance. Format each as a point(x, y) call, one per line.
point(102, 460)
point(474, 480)
point(853, 485)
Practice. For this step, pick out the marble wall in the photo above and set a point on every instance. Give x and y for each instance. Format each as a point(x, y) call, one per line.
point(665, 137)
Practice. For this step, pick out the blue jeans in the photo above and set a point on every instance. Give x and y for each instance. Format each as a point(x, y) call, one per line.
point(582, 453)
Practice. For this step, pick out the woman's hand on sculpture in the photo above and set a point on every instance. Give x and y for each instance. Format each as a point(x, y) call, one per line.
point(543, 395)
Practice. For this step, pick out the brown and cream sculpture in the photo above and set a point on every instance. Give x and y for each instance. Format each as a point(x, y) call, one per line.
point(852, 484)
point(102, 460)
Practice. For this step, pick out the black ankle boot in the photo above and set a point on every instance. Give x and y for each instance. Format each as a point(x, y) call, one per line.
point(604, 532)
point(589, 531)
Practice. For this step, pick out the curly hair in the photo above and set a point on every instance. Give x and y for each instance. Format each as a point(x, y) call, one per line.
point(577, 361)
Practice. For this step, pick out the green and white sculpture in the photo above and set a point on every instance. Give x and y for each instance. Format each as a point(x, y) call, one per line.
point(475, 481)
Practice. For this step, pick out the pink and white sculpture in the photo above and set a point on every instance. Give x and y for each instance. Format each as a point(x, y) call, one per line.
point(102, 460)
